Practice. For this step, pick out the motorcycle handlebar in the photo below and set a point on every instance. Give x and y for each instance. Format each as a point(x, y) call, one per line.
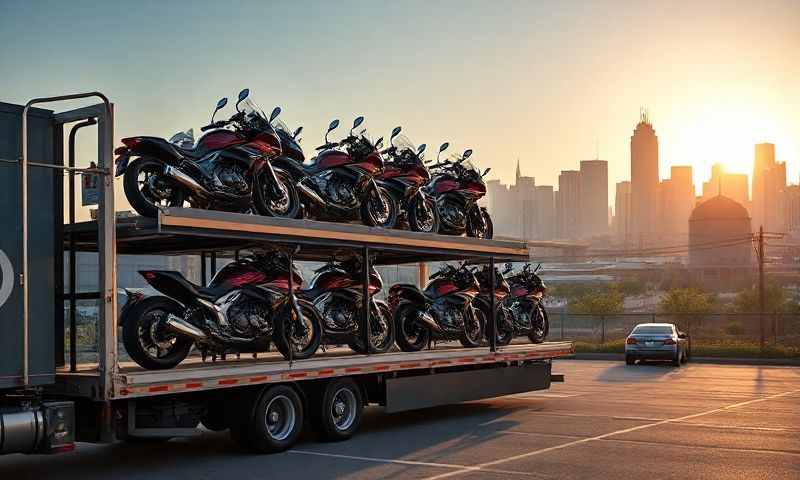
point(217, 124)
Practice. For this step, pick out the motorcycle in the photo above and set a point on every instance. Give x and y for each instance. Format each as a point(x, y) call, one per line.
point(505, 328)
point(292, 157)
point(444, 310)
point(456, 187)
point(403, 176)
point(339, 183)
point(525, 303)
point(247, 306)
point(227, 169)
point(337, 293)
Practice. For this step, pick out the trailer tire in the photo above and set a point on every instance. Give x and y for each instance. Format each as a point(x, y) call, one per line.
point(274, 422)
point(338, 415)
point(215, 417)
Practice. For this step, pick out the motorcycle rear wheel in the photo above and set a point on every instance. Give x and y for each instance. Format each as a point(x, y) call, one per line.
point(410, 336)
point(146, 338)
point(416, 217)
point(266, 204)
point(291, 341)
point(372, 213)
point(139, 191)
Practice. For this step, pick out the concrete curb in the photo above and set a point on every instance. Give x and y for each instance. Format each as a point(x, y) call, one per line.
point(793, 362)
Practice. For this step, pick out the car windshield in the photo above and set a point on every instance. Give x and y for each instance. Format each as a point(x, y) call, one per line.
point(652, 330)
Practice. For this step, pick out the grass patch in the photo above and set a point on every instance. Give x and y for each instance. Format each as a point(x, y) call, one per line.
point(730, 349)
point(615, 346)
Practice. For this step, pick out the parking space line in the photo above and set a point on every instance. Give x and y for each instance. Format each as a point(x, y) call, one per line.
point(706, 447)
point(481, 466)
point(413, 463)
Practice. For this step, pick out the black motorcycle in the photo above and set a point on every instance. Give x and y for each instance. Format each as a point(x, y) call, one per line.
point(339, 183)
point(404, 175)
point(247, 306)
point(457, 185)
point(526, 303)
point(338, 294)
point(443, 311)
point(228, 169)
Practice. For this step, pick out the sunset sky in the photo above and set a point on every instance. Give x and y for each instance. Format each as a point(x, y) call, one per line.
point(542, 81)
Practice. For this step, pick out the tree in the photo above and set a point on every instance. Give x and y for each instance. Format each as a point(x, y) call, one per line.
point(775, 300)
point(599, 302)
point(687, 300)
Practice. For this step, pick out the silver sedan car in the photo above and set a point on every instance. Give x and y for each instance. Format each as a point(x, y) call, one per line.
point(657, 341)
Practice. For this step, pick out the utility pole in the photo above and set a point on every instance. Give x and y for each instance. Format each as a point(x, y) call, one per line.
point(761, 285)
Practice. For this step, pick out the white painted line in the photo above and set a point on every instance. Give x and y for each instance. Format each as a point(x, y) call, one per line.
point(482, 466)
point(412, 463)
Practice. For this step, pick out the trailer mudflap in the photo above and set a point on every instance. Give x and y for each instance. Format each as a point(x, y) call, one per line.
point(409, 393)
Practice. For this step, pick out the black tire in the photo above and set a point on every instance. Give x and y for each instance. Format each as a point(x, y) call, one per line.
point(503, 335)
point(409, 335)
point(145, 202)
point(630, 360)
point(387, 342)
point(416, 220)
point(685, 357)
point(144, 328)
point(215, 416)
point(486, 233)
point(541, 325)
point(473, 329)
point(370, 206)
point(263, 199)
point(274, 422)
point(285, 327)
point(337, 415)
point(676, 362)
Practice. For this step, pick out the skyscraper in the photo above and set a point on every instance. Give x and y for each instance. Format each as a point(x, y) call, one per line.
point(622, 213)
point(594, 198)
point(523, 210)
point(544, 202)
point(769, 184)
point(644, 181)
point(731, 185)
point(568, 204)
point(676, 201)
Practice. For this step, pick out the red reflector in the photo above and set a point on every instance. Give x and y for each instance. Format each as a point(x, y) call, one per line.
point(131, 142)
point(120, 150)
point(63, 448)
point(669, 341)
point(149, 275)
point(631, 341)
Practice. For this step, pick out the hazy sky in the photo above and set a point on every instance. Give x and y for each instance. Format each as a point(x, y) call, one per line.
point(542, 81)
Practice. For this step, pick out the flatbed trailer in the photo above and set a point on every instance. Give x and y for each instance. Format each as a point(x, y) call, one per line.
point(262, 400)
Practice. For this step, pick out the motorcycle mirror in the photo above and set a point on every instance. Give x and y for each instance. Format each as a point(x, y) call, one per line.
point(379, 143)
point(331, 127)
point(358, 121)
point(242, 95)
point(421, 149)
point(442, 148)
point(297, 132)
point(537, 268)
point(467, 154)
point(395, 132)
point(275, 112)
point(486, 171)
point(220, 105)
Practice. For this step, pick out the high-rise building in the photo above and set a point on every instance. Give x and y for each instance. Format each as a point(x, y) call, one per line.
point(644, 182)
point(622, 213)
point(544, 202)
point(792, 210)
point(523, 195)
point(568, 204)
point(731, 185)
point(594, 198)
point(769, 184)
point(676, 201)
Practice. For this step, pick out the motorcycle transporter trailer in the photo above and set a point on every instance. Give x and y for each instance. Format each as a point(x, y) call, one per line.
point(46, 405)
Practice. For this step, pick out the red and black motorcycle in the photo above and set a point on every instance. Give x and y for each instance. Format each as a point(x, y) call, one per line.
point(228, 169)
point(526, 303)
point(403, 176)
point(443, 311)
point(339, 183)
point(457, 186)
point(338, 295)
point(247, 306)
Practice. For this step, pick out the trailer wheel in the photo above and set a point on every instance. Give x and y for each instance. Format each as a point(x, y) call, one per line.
point(274, 421)
point(214, 417)
point(338, 415)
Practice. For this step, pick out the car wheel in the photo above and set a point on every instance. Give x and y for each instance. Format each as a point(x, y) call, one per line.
point(629, 360)
point(676, 362)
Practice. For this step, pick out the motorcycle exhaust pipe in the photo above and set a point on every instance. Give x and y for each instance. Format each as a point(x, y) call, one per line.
point(185, 180)
point(183, 327)
point(309, 192)
point(426, 320)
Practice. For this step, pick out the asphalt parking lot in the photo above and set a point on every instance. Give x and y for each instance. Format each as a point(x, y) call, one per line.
point(607, 421)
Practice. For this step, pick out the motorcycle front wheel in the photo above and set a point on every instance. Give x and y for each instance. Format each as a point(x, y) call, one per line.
point(381, 335)
point(146, 337)
point(298, 340)
point(409, 334)
point(148, 189)
point(423, 216)
point(473, 329)
point(504, 333)
point(279, 200)
point(540, 325)
point(379, 210)
point(483, 229)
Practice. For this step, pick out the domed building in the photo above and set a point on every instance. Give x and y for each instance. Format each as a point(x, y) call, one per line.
point(719, 220)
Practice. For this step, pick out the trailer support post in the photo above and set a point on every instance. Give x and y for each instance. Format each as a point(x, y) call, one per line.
point(365, 278)
point(492, 321)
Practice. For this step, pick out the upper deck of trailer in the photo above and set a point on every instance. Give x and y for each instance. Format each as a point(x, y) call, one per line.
point(186, 231)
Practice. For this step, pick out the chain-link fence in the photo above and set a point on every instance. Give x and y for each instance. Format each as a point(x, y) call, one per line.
point(725, 334)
